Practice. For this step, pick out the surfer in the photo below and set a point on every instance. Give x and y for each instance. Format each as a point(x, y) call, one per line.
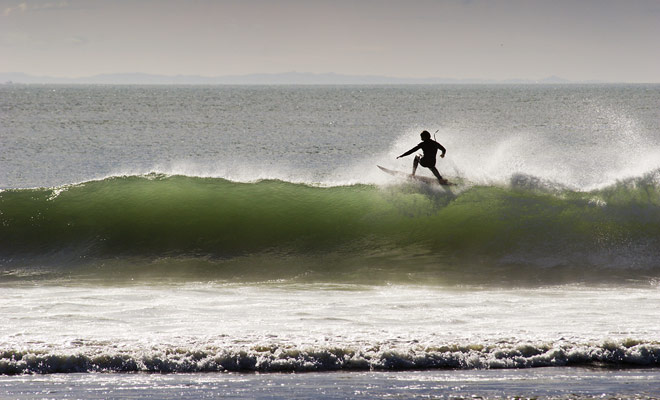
point(430, 149)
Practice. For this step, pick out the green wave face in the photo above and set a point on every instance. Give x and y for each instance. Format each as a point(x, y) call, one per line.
point(277, 229)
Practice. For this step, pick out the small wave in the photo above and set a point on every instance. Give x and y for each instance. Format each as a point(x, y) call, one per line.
point(273, 358)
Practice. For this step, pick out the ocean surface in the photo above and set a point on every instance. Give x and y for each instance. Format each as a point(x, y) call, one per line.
point(216, 241)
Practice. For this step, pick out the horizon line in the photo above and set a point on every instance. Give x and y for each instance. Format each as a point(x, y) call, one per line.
point(277, 78)
point(289, 77)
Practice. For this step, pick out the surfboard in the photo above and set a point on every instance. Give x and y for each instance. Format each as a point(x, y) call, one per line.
point(426, 179)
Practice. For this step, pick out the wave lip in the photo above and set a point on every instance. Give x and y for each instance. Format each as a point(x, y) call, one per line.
point(271, 358)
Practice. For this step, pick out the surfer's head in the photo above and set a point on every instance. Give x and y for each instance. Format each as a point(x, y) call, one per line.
point(425, 135)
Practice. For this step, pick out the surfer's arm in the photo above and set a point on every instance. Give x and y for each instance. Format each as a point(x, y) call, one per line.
point(409, 152)
point(442, 149)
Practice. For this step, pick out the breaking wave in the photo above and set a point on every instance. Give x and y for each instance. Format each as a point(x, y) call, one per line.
point(526, 228)
point(273, 358)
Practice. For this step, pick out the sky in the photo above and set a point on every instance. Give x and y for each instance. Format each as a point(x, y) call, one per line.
point(605, 40)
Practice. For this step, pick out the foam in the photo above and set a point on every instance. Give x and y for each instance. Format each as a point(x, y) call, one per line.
point(268, 357)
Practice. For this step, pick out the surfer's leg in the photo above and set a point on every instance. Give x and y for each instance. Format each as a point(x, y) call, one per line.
point(437, 174)
point(415, 164)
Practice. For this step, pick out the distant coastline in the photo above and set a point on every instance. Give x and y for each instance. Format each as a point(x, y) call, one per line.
point(288, 78)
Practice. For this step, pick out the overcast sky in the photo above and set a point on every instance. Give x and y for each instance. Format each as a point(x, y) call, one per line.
point(489, 39)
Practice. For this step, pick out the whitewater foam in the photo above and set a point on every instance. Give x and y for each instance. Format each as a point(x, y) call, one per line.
point(275, 327)
point(272, 358)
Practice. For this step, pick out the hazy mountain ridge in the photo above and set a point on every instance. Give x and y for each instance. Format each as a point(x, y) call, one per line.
point(288, 78)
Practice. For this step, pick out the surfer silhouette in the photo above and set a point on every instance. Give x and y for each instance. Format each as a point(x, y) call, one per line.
point(430, 149)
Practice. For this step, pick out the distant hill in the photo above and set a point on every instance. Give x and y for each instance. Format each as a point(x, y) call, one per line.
point(288, 78)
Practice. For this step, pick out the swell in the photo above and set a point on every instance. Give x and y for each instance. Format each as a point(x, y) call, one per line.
point(274, 358)
point(156, 217)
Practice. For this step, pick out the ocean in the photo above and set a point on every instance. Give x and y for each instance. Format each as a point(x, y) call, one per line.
point(192, 242)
